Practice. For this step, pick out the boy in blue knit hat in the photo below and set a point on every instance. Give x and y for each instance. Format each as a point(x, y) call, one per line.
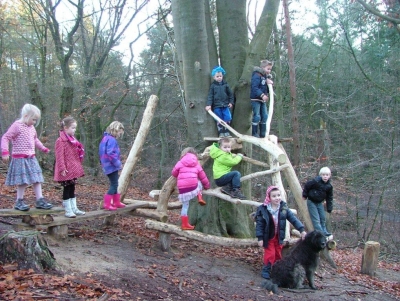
point(220, 100)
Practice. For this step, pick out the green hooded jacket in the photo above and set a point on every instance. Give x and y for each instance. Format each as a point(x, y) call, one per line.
point(223, 161)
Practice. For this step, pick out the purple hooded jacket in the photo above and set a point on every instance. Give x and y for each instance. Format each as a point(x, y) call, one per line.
point(109, 154)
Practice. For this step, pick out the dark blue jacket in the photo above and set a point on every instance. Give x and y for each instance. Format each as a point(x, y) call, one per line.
point(109, 154)
point(265, 227)
point(317, 190)
point(258, 84)
point(220, 95)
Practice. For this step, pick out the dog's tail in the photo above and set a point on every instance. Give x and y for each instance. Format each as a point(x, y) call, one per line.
point(270, 286)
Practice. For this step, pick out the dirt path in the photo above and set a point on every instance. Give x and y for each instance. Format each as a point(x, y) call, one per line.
point(137, 266)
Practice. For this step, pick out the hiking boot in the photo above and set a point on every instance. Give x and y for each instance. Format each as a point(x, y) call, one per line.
point(237, 194)
point(227, 189)
point(43, 204)
point(21, 206)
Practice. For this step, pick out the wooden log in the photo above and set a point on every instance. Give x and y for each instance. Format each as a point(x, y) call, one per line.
point(271, 108)
point(370, 256)
point(28, 248)
point(272, 171)
point(206, 238)
point(33, 220)
point(151, 205)
point(265, 144)
point(32, 211)
point(217, 193)
point(296, 189)
point(63, 220)
point(153, 214)
point(137, 146)
point(58, 232)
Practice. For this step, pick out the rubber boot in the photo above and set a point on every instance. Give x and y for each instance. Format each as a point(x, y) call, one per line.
point(107, 202)
point(266, 271)
point(68, 208)
point(116, 201)
point(185, 223)
point(263, 130)
point(254, 130)
point(200, 199)
point(75, 208)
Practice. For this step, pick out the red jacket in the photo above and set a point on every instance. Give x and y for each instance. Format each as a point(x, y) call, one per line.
point(188, 171)
point(67, 158)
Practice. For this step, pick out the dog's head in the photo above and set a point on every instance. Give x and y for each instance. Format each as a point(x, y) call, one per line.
point(316, 239)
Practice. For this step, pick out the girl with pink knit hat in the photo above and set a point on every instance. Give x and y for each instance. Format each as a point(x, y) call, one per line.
point(271, 219)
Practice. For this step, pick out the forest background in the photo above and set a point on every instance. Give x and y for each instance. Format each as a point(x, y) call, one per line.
point(66, 58)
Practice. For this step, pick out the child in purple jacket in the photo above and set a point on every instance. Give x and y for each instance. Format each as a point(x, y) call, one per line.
point(110, 158)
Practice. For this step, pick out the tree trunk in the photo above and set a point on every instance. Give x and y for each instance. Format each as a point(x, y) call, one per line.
point(292, 82)
point(28, 248)
point(370, 258)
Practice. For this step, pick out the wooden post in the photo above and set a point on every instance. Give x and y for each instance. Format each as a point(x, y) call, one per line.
point(136, 149)
point(370, 255)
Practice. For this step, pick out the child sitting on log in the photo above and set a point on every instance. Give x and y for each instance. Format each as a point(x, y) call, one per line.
point(223, 174)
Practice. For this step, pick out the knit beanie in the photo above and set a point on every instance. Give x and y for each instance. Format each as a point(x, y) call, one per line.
point(267, 199)
point(217, 69)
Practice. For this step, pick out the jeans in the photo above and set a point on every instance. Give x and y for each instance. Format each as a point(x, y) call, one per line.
point(232, 177)
point(260, 112)
point(317, 215)
point(113, 177)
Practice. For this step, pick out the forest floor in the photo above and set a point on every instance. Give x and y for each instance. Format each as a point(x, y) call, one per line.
point(124, 262)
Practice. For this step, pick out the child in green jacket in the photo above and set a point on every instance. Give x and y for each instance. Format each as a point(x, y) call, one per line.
point(223, 174)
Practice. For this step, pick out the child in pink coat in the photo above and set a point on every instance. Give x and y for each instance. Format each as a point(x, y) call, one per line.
point(191, 179)
point(68, 166)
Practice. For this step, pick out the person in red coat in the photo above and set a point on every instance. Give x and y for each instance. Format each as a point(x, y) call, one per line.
point(191, 179)
point(68, 168)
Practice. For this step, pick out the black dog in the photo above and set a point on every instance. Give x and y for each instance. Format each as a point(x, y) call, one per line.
point(302, 261)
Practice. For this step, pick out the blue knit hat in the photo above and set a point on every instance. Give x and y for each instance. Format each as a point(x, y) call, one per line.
point(217, 69)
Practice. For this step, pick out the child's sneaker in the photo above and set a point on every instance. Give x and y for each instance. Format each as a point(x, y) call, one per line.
point(221, 135)
point(21, 206)
point(227, 189)
point(228, 135)
point(42, 204)
point(237, 194)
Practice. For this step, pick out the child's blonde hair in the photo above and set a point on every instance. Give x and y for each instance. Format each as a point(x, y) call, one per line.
point(114, 127)
point(324, 170)
point(29, 111)
point(224, 140)
point(265, 63)
point(188, 150)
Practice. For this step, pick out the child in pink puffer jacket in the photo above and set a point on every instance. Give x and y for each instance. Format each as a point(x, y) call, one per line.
point(191, 179)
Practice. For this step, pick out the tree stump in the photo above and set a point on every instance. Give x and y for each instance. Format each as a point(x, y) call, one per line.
point(28, 249)
point(370, 255)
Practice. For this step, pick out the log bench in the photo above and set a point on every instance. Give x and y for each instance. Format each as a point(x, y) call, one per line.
point(56, 224)
point(33, 216)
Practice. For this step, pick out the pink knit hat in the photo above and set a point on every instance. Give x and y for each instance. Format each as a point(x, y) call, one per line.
point(267, 199)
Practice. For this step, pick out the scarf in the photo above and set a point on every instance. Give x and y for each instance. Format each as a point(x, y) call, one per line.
point(267, 200)
point(78, 146)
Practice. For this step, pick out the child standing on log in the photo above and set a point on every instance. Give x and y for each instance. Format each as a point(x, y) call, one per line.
point(316, 191)
point(24, 168)
point(220, 100)
point(110, 158)
point(223, 174)
point(191, 179)
point(68, 166)
point(259, 96)
point(271, 219)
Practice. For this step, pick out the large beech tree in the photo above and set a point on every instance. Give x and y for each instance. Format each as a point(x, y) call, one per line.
point(198, 52)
